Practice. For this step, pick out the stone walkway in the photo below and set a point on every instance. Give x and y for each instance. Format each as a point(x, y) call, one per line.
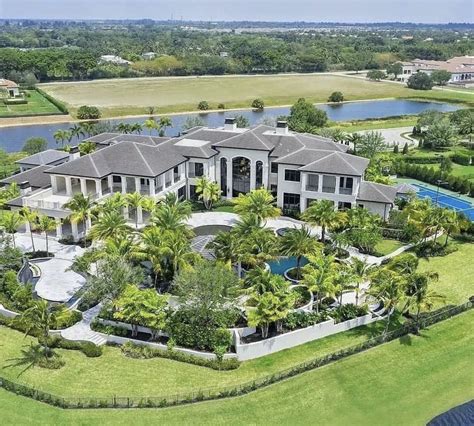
point(81, 331)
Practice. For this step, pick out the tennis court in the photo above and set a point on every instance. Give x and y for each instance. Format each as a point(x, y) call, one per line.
point(446, 200)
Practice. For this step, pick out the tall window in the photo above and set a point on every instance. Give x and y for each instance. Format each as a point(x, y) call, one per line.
point(274, 168)
point(259, 175)
point(329, 184)
point(312, 183)
point(240, 176)
point(345, 185)
point(292, 175)
point(291, 201)
point(196, 169)
point(224, 176)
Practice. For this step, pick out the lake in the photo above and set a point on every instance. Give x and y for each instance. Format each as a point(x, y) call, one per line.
point(13, 138)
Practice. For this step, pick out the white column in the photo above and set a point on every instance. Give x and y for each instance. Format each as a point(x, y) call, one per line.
point(252, 174)
point(137, 184)
point(110, 183)
point(68, 185)
point(265, 175)
point(124, 184)
point(75, 232)
point(320, 183)
point(84, 187)
point(338, 179)
point(152, 187)
point(304, 179)
point(59, 228)
point(98, 188)
point(140, 215)
point(54, 184)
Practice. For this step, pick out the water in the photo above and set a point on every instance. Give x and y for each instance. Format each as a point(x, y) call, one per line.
point(13, 138)
point(284, 263)
point(210, 229)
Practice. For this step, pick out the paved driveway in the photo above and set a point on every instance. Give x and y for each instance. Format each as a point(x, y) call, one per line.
point(394, 136)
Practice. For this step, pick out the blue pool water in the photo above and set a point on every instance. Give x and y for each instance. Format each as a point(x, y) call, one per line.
point(284, 263)
point(446, 200)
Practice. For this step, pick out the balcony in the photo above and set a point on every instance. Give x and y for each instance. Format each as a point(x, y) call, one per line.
point(313, 188)
point(329, 189)
point(345, 191)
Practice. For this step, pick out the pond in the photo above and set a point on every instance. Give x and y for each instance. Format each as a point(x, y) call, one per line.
point(284, 263)
point(12, 138)
point(200, 231)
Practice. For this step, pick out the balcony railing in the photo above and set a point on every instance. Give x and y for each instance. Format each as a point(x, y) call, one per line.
point(313, 188)
point(345, 191)
point(329, 189)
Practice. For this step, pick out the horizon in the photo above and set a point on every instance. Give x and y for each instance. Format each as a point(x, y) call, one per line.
point(434, 12)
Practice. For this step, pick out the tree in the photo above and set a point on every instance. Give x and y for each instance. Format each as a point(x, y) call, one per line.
point(259, 202)
point(441, 134)
point(298, 243)
point(30, 217)
point(371, 143)
point(86, 112)
point(463, 119)
point(395, 148)
point(440, 77)
point(87, 147)
point(355, 139)
point(258, 104)
point(420, 81)
point(142, 307)
point(395, 69)
point(192, 122)
point(241, 122)
point(322, 213)
point(150, 124)
point(35, 145)
point(109, 224)
point(11, 221)
point(203, 106)
point(336, 97)
point(80, 207)
point(376, 75)
point(62, 136)
point(76, 131)
point(304, 115)
point(163, 123)
point(361, 271)
point(45, 225)
point(405, 149)
point(209, 192)
point(135, 201)
point(446, 165)
point(318, 277)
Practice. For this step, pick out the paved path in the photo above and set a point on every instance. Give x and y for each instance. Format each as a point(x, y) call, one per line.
point(23, 242)
point(81, 331)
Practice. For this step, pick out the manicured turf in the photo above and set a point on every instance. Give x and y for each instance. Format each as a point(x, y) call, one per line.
point(387, 246)
point(405, 382)
point(37, 104)
point(132, 96)
point(456, 273)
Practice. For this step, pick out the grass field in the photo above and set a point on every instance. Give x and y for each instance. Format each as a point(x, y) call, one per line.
point(132, 96)
point(405, 382)
point(37, 104)
point(387, 246)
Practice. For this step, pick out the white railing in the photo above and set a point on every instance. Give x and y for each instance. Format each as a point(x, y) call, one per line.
point(42, 204)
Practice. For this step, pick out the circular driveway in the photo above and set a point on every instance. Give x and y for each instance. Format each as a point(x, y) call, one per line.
point(55, 283)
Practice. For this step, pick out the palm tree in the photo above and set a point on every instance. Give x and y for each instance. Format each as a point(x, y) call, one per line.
point(122, 247)
point(343, 280)
point(420, 296)
point(45, 225)
point(109, 224)
point(386, 286)
point(209, 192)
point(247, 224)
point(76, 131)
point(115, 202)
point(355, 138)
point(259, 246)
point(136, 128)
point(61, 136)
point(11, 221)
point(135, 201)
point(451, 223)
point(80, 207)
point(30, 218)
point(298, 243)
point(322, 213)
point(150, 124)
point(319, 277)
point(163, 124)
point(124, 128)
point(260, 202)
point(178, 250)
point(360, 271)
point(87, 147)
point(226, 246)
point(170, 215)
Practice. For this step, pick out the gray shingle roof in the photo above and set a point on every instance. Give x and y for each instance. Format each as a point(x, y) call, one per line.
point(406, 188)
point(336, 162)
point(251, 139)
point(42, 158)
point(36, 177)
point(377, 193)
point(127, 158)
point(111, 138)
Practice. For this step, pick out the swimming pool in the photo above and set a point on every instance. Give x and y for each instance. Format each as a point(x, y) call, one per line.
point(446, 200)
point(284, 263)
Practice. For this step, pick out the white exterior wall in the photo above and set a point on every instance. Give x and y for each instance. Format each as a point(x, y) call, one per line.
point(383, 210)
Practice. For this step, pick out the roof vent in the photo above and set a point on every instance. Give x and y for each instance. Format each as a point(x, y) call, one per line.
point(230, 124)
point(282, 128)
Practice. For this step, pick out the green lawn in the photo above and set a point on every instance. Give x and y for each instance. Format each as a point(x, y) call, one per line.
point(459, 170)
point(37, 104)
point(387, 246)
point(405, 382)
point(120, 97)
point(456, 273)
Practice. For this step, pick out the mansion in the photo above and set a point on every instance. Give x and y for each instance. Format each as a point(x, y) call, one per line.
point(297, 168)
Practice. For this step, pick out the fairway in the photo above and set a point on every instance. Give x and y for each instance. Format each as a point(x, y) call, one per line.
point(132, 96)
point(407, 381)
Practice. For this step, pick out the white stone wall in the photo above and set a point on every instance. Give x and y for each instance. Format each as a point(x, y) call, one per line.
point(383, 210)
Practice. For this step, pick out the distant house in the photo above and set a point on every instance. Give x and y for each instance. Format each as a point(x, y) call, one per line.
point(460, 67)
point(224, 54)
point(50, 157)
point(149, 56)
point(115, 60)
point(10, 87)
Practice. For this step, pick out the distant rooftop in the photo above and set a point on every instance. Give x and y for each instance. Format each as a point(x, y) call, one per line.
point(44, 158)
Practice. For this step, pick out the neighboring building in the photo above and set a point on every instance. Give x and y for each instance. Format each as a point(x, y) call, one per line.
point(461, 68)
point(50, 157)
point(224, 54)
point(297, 168)
point(149, 56)
point(10, 87)
point(115, 60)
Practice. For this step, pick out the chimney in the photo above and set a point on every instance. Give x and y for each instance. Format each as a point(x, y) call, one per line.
point(230, 124)
point(282, 128)
point(74, 152)
point(24, 187)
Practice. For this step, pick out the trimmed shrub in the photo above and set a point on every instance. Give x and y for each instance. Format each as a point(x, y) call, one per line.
point(258, 104)
point(462, 159)
point(203, 106)
point(348, 312)
point(86, 112)
point(300, 319)
point(336, 97)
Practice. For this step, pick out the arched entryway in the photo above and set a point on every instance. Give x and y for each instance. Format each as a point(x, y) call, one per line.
point(240, 176)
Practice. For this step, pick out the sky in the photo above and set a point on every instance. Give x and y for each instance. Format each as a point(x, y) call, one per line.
point(426, 11)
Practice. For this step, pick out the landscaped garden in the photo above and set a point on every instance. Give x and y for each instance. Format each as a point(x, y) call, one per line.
point(34, 103)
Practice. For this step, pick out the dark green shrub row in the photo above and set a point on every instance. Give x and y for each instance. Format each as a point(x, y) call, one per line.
point(38, 254)
point(462, 159)
point(68, 320)
point(109, 329)
point(430, 249)
point(138, 351)
point(415, 159)
point(348, 312)
point(58, 104)
point(299, 319)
